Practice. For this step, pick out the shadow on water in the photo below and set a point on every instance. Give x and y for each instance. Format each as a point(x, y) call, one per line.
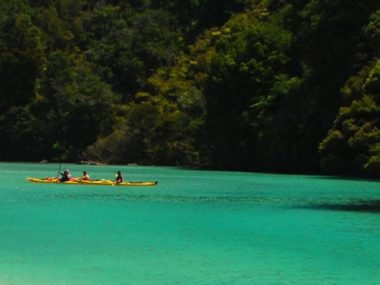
point(347, 178)
point(368, 206)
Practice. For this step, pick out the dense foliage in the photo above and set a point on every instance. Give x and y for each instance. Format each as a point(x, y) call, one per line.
point(287, 86)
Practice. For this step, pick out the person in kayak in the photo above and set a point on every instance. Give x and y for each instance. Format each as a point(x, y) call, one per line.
point(119, 177)
point(85, 176)
point(65, 176)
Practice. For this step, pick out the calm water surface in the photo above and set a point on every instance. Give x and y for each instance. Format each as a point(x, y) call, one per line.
point(195, 227)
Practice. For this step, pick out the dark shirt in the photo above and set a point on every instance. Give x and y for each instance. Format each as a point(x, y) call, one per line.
point(119, 178)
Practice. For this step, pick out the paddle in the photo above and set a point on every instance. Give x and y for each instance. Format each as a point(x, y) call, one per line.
point(59, 170)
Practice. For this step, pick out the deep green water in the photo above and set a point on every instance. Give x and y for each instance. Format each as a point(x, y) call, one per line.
point(195, 227)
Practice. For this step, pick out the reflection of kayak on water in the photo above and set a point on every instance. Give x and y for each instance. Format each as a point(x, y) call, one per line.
point(91, 182)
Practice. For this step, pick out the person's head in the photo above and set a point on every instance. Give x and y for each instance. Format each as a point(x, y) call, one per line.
point(118, 173)
point(84, 172)
point(66, 171)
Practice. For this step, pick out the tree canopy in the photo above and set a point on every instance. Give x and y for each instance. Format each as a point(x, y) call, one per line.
point(259, 85)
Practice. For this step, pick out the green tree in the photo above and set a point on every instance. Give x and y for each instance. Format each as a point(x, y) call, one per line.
point(352, 145)
point(127, 46)
point(76, 106)
point(22, 46)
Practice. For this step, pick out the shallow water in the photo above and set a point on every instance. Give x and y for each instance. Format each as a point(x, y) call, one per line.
point(194, 227)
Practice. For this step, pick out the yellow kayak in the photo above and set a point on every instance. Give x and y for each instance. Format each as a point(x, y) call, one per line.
point(137, 183)
point(92, 182)
point(125, 183)
point(50, 180)
point(96, 182)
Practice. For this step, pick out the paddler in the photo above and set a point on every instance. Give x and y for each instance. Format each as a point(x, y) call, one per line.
point(65, 176)
point(119, 177)
point(85, 176)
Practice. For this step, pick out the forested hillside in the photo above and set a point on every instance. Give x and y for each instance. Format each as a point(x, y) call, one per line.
point(285, 86)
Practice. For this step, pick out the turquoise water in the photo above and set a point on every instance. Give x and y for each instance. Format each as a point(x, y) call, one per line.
point(195, 227)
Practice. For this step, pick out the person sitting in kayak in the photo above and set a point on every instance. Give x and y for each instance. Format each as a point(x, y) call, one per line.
point(85, 176)
point(65, 176)
point(119, 177)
